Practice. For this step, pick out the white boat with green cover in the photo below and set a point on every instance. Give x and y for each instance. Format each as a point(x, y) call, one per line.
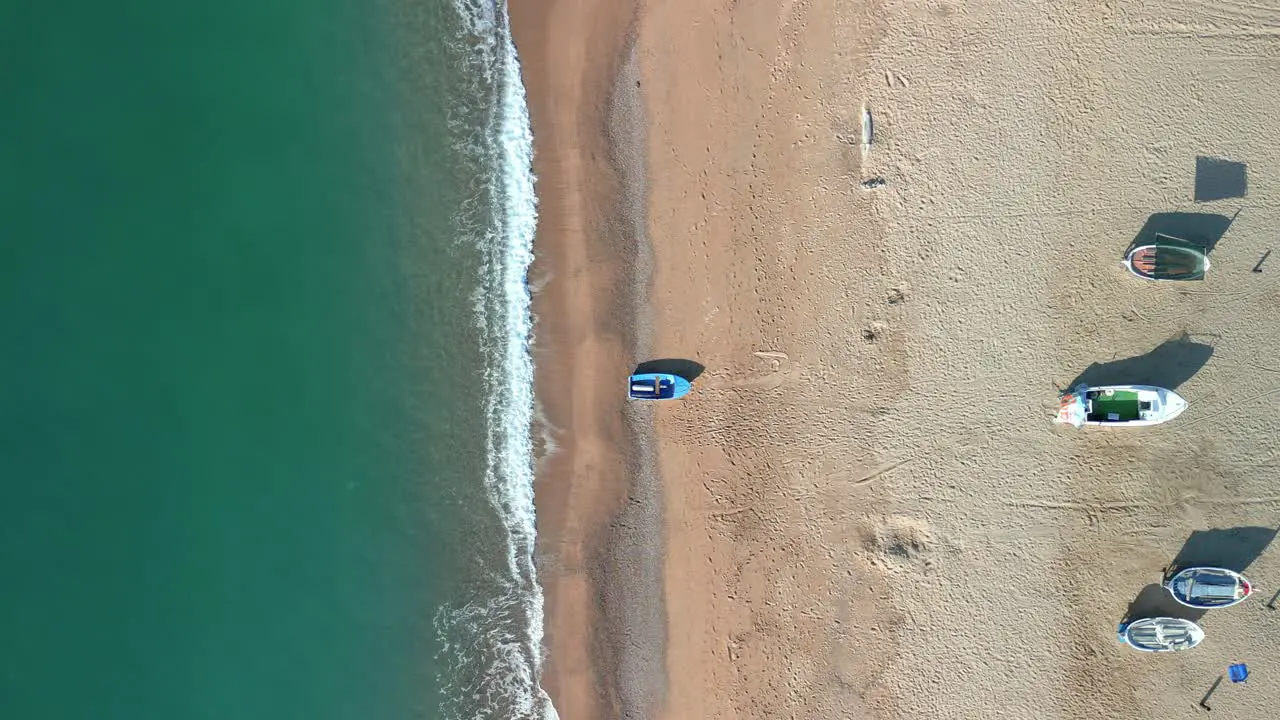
point(1120, 406)
point(1168, 258)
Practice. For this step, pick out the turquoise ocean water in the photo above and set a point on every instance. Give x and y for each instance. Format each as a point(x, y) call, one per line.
point(264, 374)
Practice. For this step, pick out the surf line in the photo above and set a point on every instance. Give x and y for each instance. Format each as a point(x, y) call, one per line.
point(504, 237)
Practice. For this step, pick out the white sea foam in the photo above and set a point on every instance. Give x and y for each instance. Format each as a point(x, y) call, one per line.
point(497, 640)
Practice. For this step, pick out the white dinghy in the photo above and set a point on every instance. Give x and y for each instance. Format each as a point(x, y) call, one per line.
point(1162, 634)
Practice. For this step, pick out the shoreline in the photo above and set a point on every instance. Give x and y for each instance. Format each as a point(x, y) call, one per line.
point(598, 510)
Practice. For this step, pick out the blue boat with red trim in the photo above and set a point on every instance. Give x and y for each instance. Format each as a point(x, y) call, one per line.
point(1209, 587)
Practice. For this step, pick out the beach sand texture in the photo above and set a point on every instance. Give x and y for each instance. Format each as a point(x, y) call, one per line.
point(865, 509)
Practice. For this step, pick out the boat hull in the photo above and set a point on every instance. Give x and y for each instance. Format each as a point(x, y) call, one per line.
point(1170, 260)
point(1120, 406)
point(657, 386)
point(1162, 634)
point(1209, 588)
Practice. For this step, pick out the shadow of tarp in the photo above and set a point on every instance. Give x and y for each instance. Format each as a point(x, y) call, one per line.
point(1219, 179)
point(1169, 365)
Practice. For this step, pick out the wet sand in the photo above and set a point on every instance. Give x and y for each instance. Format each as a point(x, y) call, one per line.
point(599, 511)
point(864, 508)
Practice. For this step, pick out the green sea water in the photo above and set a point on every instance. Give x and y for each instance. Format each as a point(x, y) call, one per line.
point(242, 427)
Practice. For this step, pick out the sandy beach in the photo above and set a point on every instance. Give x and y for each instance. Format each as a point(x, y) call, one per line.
point(864, 510)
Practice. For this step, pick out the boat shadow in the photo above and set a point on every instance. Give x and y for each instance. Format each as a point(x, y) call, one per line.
point(1155, 601)
point(1231, 548)
point(1168, 365)
point(1202, 230)
point(687, 369)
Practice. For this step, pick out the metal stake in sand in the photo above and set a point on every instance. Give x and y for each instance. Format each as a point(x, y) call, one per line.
point(868, 130)
point(1204, 701)
point(1238, 672)
point(868, 136)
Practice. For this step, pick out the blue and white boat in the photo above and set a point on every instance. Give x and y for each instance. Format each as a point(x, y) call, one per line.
point(1209, 587)
point(657, 386)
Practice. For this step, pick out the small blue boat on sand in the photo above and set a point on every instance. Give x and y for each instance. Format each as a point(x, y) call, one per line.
point(657, 386)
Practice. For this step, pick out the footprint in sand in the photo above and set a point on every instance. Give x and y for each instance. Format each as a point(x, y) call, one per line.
point(779, 369)
point(899, 543)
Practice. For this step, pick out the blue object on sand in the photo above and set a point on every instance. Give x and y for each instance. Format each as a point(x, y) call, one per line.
point(1238, 672)
point(657, 386)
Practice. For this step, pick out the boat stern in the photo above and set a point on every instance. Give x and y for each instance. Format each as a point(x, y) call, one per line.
point(1072, 411)
point(1195, 635)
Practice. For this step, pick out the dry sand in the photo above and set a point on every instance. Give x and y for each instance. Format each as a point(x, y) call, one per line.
point(866, 510)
